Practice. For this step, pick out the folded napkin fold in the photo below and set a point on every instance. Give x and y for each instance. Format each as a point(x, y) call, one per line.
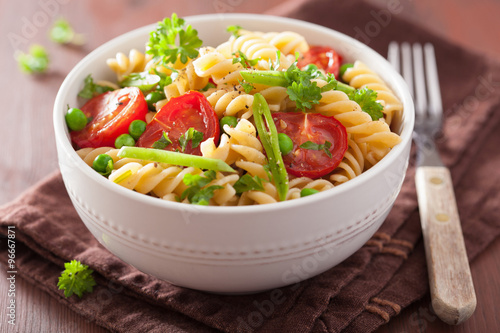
point(387, 274)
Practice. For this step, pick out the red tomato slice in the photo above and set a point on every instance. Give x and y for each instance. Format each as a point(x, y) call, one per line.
point(111, 114)
point(324, 57)
point(177, 116)
point(314, 127)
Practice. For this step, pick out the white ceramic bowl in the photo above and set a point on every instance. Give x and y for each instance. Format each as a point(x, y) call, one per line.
point(233, 249)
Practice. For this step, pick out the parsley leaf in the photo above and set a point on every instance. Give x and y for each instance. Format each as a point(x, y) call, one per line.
point(36, 61)
point(143, 80)
point(191, 134)
point(163, 142)
point(197, 193)
point(301, 89)
point(240, 57)
point(90, 89)
point(208, 86)
point(316, 146)
point(165, 79)
point(62, 33)
point(367, 100)
point(76, 278)
point(173, 40)
point(304, 94)
point(248, 183)
point(273, 66)
point(234, 30)
point(203, 196)
point(247, 87)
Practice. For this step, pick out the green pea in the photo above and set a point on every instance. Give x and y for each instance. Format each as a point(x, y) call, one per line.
point(124, 140)
point(136, 128)
point(154, 97)
point(285, 143)
point(343, 68)
point(103, 164)
point(307, 191)
point(75, 119)
point(228, 120)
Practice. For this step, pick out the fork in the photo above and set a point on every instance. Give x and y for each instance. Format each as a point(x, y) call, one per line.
point(452, 290)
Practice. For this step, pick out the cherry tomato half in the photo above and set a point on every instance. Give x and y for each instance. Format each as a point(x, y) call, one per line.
point(324, 57)
point(318, 129)
point(176, 117)
point(111, 114)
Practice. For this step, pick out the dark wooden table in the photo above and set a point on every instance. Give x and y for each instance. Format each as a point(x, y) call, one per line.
point(28, 141)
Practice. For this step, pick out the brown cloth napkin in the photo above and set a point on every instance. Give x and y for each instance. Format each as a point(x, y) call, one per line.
point(360, 294)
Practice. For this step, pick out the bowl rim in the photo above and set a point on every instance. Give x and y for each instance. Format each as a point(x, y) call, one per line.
point(63, 142)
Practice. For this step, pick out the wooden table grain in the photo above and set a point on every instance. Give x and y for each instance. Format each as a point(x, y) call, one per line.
point(28, 147)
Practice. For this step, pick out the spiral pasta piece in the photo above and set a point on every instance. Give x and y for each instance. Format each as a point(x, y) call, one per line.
point(186, 80)
point(230, 102)
point(351, 166)
point(361, 76)
point(213, 64)
point(287, 42)
point(254, 46)
point(123, 65)
point(244, 142)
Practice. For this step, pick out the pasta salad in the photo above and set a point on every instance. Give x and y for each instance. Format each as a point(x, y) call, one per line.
point(261, 118)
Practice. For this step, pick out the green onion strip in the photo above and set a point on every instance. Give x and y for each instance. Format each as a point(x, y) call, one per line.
point(269, 139)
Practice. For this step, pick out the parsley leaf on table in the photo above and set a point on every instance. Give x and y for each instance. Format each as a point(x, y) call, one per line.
point(62, 33)
point(35, 61)
point(173, 40)
point(76, 279)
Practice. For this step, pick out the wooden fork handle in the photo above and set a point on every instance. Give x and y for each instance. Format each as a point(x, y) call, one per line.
point(452, 290)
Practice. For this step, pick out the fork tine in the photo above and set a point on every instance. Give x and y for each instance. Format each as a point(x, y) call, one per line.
point(434, 93)
point(393, 56)
point(420, 87)
point(407, 70)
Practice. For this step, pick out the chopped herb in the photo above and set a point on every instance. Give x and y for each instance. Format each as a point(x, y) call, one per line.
point(234, 30)
point(248, 183)
point(173, 39)
point(163, 142)
point(247, 87)
point(165, 79)
point(367, 100)
point(316, 146)
point(90, 89)
point(240, 57)
point(191, 134)
point(276, 64)
point(197, 193)
point(208, 86)
point(36, 61)
point(76, 279)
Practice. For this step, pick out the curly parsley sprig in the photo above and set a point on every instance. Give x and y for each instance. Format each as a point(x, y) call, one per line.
point(76, 279)
point(173, 39)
